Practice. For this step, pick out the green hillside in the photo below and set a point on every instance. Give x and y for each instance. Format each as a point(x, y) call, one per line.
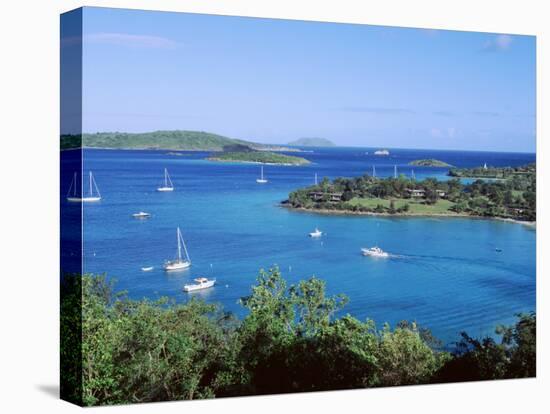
point(169, 140)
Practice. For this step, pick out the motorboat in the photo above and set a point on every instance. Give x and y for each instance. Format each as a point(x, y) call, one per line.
point(374, 252)
point(201, 283)
point(141, 214)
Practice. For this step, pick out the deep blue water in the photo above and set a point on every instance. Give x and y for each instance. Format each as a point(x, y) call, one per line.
point(445, 273)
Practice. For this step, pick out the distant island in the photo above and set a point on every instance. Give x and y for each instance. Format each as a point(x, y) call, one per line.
point(161, 140)
point(512, 198)
point(260, 157)
point(312, 142)
point(429, 163)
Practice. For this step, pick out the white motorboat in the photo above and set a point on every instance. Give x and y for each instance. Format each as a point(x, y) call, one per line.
point(261, 180)
point(374, 252)
point(202, 283)
point(73, 194)
point(168, 186)
point(316, 233)
point(181, 262)
point(147, 269)
point(141, 214)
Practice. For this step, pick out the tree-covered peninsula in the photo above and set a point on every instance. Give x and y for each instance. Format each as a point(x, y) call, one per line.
point(510, 198)
point(494, 172)
point(165, 140)
point(116, 350)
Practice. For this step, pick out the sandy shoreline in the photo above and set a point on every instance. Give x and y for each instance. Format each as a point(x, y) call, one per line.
point(404, 215)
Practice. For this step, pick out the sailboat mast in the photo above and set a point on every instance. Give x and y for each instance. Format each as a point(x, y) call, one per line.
point(179, 244)
point(185, 249)
point(262, 172)
point(91, 191)
point(373, 171)
point(315, 178)
point(395, 171)
point(165, 177)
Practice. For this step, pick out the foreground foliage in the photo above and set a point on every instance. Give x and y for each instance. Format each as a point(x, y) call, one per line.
point(290, 341)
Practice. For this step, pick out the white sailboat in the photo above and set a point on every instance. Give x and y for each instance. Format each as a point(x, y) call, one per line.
point(316, 233)
point(181, 262)
point(261, 180)
point(395, 171)
point(373, 171)
point(316, 182)
point(73, 196)
point(202, 283)
point(168, 186)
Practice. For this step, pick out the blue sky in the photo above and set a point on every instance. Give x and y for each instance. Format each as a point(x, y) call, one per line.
point(277, 80)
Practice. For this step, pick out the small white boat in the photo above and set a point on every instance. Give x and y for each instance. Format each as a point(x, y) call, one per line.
point(316, 233)
point(261, 180)
point(374, 252)
point(147, 269)
point(168, 186)
point(383, 152)
point(141, 214)
point(202, 283)
point(73, 194)
point(180, 262)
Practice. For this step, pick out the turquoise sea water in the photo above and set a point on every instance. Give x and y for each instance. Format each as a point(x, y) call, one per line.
point(444, 272)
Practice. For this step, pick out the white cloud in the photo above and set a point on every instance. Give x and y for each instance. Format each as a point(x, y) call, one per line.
point(449, 132)
point(131, 40)
point(499, 43)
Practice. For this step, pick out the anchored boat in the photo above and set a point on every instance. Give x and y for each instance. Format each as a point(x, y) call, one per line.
point(141, 214)
point(374, 252)
point(261, 180)
point(202, 283)
point(182, 261)
point(316, 233)
point(73, 194)
point(168, 186)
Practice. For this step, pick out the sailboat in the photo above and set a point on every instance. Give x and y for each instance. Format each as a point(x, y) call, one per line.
point(168, 186)
point(316, 182)
point(316, 233)
point(180, 263)
point(395, 171)
point(373, 171)
point(72, 194)
point(412, 175)
point(261, 180)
